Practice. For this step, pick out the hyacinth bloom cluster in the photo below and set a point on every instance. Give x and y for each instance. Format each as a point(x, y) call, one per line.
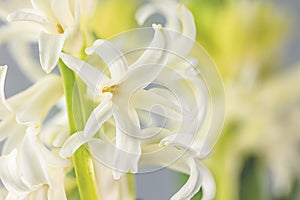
point(117, 110)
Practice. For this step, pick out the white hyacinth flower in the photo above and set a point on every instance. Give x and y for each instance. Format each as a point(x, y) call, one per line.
point(26, 109)
point(33, 172)
point(28, 169)
point(116, 92)
point(57, 22)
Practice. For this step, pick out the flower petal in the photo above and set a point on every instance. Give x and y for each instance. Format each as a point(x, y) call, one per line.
point(157, 51)
point(125, 117)
point(166, 8)
point(193, 101)
point(183, 141)
point(112, 56)
point(15, 134)
point(89, 74)
point(33, 104)
point(32, 15)
point(72, 144)
point(40, 193)
point(45, 7)
point(208, 183)
point(3, 193)
point(178, 19)
point(57, 188)
point(52, 159)
point(110, 188)
point(127, 154)
point(62, 12)
point(149, 101)
point(50, 46)
point(199, 176)
point(139, 78)
point(4, 107)
point(33, 163)
point(186, 39)
point(10, 174)
point(99, 115)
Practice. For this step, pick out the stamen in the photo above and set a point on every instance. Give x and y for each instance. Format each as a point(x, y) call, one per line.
point(109, 88)
point(60, 29)
point(158, 26)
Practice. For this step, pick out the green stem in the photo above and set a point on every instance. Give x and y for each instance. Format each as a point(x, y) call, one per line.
point(82, 160)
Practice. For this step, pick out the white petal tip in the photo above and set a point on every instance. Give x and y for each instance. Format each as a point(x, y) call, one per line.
point(117, 175)
point(48, 69)
point(10, 17)
point(3, 68)
point(91, 50)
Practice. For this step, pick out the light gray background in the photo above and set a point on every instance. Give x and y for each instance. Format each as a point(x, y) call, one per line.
point(160, 185)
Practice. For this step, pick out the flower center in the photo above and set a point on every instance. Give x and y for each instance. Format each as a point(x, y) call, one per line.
point(59, 29)
point(109, 88)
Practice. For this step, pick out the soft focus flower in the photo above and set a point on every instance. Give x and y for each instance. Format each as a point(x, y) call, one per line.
point(31, 171)
point(152, 103)
point(26, 109)
point(28, 169)
point(178, 19)
point(116, 93)
point(57, 21)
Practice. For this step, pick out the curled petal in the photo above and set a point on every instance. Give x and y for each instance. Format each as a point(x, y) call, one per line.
point(193, 184)
point(157, 52)
point(199, 177)
point(166, 8)
point(178, 19)
point(72, 144)
point(183, 141)
point(186, 39)
point(112, 56)
point(208, 184)
point(54, 134)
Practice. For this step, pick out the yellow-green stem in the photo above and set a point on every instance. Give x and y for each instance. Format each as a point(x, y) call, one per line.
point(82, 160)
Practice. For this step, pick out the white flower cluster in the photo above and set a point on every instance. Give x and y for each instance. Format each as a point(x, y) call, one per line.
point(151, 105)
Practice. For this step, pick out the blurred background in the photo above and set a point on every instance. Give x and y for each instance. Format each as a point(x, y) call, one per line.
point(256, 46)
